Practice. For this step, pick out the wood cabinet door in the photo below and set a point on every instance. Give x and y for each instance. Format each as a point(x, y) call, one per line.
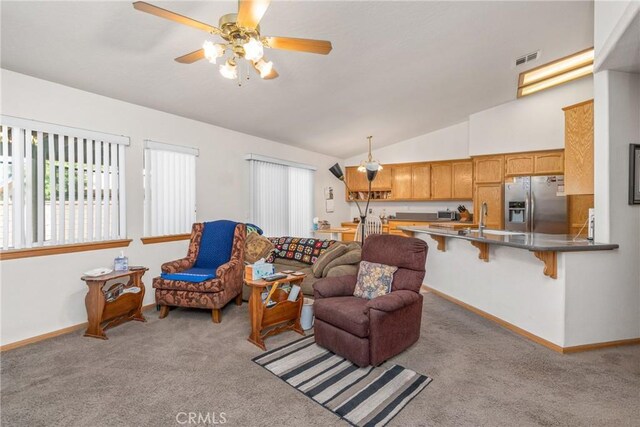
point(578, 149)
point(383, 179)
point(356, 181)
point(518, 164)
point(462, 180)
point(421, 182)
point(579, 213)
point(441, 181)
point(549, 163)
point(492, 194)
point(489, 169)
point(401, 182)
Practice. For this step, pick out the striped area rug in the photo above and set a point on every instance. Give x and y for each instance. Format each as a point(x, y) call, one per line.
point(362, 396)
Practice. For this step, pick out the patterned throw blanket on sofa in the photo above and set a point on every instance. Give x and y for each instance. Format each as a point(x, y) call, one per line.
point(298, 249)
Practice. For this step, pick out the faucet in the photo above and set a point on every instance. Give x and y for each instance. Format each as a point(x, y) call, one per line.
point(483, 213)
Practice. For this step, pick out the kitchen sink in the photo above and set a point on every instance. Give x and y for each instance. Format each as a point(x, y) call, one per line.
point(498, 232)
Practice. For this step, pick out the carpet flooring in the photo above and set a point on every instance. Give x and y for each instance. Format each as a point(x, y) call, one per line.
point(147, 374)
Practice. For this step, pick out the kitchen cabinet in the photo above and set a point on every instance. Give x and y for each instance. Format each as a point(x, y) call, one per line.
point(578, 213)
point(383, 179)
point(441, 182)
point(578, 148)
point(534, 163)
point(493, 195)
point(488, 169)
point(421, 181)
point(356, 181)
point(518, 164)
point(548, 163)
point(462, 180)
point(401, 182)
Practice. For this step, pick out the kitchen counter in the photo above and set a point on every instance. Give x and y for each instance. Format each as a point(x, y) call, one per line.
point(533, 283)
point(536, 242)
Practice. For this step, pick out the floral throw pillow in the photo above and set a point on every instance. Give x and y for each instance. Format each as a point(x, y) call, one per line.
point(374, 280)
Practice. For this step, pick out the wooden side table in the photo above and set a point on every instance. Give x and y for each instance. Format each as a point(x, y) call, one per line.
point(127, 306)
point(283, 316)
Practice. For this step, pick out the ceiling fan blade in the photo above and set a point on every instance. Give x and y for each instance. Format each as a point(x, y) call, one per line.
point(322, 47)
point(250, 12)
point(192, 57)
point(167, 14)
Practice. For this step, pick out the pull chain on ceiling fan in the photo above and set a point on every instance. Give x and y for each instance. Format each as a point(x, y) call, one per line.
point(241, 34)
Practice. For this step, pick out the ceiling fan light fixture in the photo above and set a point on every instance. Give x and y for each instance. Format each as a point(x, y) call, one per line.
point(212, 51)
point(229, 70)
point(253, 50)
point(264, 68)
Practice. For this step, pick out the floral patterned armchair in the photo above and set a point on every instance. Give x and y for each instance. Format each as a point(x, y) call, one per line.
point(217, 251)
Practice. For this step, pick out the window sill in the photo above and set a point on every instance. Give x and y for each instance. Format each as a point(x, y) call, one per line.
point(162, 239)
point(62, 249)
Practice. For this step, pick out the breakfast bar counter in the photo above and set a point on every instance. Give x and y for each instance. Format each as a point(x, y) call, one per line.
point(522, 240)
point(541, 286)
point(544, 246)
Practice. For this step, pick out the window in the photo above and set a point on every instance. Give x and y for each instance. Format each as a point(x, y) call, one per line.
point(281, 196)
point(59, 185)
point(169, 189)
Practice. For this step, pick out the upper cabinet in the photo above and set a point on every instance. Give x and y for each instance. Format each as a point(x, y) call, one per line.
point(356, 181)
point(462, 180)
point(441, 181)
point(383, 179)
point(421, 181)
point(447, 180)
point(548, 163)
point(536, 163)
point(578, 140)
point(401, 182)
point(518, 164)
point(488, 169)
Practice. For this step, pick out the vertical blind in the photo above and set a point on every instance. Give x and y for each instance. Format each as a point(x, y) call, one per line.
point(281, 197)
point(169, 188)
point(60, 185)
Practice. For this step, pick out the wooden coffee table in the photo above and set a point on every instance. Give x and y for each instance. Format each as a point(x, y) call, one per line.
point(283, 316)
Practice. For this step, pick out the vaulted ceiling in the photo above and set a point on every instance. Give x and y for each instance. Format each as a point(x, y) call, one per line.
point(397, 69)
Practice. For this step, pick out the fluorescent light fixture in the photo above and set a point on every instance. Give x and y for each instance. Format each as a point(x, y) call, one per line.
point(555, 73)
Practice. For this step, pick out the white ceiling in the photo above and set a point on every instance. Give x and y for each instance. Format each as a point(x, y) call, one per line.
point(397, 69)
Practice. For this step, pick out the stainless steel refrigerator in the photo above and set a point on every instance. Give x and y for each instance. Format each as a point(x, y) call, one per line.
point(536, 204)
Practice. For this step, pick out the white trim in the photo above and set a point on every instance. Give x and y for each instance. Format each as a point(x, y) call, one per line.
point(62, 130)
point(163, 146)
point(261, 158)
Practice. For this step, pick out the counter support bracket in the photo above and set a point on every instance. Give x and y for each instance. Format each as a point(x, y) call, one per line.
point(484, 250)
point(550, 260)
point(441, 242)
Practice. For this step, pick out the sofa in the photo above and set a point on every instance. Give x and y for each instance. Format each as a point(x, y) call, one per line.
point(344, 262)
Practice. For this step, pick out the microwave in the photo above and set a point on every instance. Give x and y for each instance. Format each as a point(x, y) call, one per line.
point(447, 215)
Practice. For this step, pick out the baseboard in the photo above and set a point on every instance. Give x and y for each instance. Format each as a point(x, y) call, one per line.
point(529, 335)
point(53, 334)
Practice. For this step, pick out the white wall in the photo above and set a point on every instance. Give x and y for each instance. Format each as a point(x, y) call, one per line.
point(44, 294)
point(603, 292)
point(534, 122)
point(607, 14)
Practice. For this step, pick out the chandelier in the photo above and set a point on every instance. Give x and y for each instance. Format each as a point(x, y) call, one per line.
point(370, 165)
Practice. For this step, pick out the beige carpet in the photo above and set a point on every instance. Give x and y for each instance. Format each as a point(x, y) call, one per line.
point(146, 374)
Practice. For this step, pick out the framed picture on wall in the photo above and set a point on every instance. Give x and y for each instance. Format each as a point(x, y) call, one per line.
point(634, 174)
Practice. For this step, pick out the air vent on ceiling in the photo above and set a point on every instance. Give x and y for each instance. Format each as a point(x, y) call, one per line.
point(527, 58)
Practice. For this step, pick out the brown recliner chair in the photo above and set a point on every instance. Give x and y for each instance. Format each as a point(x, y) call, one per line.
point(216, 251)
point(368, 332)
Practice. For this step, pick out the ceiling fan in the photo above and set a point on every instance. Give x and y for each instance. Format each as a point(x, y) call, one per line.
point(242, 39)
